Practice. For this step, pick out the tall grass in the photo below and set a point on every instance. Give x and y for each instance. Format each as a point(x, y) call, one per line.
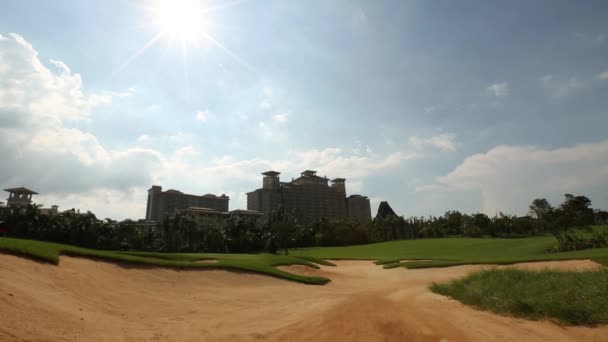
point(576, 298)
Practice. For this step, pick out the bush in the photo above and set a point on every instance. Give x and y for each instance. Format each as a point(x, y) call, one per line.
point(472, 231)
point(577, 298)
point(600, 239)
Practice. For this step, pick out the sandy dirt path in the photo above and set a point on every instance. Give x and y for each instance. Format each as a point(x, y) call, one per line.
point(85, 300)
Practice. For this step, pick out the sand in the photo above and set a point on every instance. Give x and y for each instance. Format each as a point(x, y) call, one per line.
point(86, 300)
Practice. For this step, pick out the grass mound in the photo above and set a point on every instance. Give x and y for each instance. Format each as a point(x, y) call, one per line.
point(253, 263)
point(576, 298)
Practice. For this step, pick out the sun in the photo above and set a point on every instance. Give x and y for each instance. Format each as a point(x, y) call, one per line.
point(181, 20)
point(186, 22)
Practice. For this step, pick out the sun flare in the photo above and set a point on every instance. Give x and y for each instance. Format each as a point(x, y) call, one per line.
point(185, 22)
point(180, 20)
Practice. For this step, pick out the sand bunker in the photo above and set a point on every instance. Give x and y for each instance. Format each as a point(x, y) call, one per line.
point(85, 300)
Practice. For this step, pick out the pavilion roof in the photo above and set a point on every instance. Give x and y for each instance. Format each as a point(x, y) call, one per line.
point(21, 190)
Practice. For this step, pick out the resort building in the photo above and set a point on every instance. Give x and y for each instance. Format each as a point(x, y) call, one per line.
point(358, 208)
point(161, 202)
point(19, 196)
point(23, 196)
point(53, 210)
point(311, 197)
point(210, 216)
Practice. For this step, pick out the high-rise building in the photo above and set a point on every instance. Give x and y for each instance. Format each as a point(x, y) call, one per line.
point(162, 202)
point(358, 208)
point(311, 197)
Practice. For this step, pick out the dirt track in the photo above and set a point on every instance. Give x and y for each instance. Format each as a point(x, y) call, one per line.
point(83, 300)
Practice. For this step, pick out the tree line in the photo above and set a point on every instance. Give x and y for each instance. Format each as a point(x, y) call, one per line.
point(283, 230)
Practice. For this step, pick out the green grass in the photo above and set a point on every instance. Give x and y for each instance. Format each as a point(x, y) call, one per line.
point(577, 298)
point(443, 252)
point(254, 263)
point(455, 251)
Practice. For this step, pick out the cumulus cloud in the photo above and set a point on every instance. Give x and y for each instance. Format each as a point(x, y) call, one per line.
point(509, 177)
point(203, 115)
point(445, 142)
point(498, 89)
point(27, 86)
point(37, 145)
point(41, 148)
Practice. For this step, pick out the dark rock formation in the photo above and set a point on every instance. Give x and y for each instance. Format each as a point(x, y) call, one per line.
point(385, 210)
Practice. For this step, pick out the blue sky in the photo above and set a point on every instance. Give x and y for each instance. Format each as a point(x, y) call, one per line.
point(432, 106)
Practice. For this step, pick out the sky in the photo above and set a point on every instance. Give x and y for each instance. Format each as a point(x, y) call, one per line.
point(477, 106)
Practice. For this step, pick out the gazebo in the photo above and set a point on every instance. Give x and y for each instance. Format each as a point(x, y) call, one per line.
point(19, 196)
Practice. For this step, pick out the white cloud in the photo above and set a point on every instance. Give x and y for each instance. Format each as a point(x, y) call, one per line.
point(143, 139)
point(37, 146)
point(235, 143)
point(444, 142)
point(561, 87)
point(115, 203)
point(100, 99)
point(267, 90)
point(603, 76)
point(27, 85)
point(333, 162)
point(280, 118)
point(244, 174)
point(154, 108)
point(430, 109)
point(595, 39)
point(359, 20)
point(72, 168)
point(265, 104)
point(498, 89)
point(203, 115)
point(273, 130)
point(509, 177)
point(186, 152)
point(267, 132)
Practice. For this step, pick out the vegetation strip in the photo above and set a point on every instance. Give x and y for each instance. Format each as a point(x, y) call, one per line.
point(253, 263)
point(577, 298)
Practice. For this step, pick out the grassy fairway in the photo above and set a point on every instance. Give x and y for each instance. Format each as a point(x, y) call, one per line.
point(579, 298)
point(255, 263)
point(455, 251)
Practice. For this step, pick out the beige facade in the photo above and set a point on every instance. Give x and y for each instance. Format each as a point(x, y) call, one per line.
point(311, 197)
point(206, 216)
point(161, 202)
